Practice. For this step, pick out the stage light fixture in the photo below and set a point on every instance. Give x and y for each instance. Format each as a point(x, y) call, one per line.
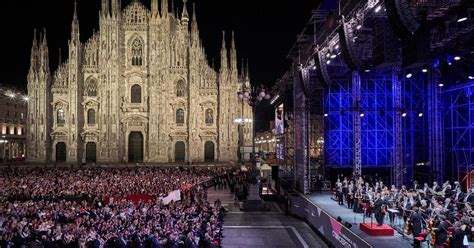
point(424, 70)
point(404, 114)
point(314, 67)
point(420, 115)
point(367, 70)
point(328, 55)
point(333, 56)
point(440, 85)
point(461, 19)
point(328, 62)
point(326, 115)
point(471, 77)
point(362, 114)
point(359, 27)
point(457, 58)
point(336, 47)
point(378, 8)
point(409, 75)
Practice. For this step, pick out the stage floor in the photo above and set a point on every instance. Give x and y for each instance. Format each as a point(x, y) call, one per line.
point(332, 207)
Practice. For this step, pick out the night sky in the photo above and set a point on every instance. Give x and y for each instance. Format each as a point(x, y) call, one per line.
point(265, 31)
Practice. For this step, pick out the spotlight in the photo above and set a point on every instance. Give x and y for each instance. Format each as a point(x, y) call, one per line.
point(424, 70)
point(328, 62)
point(404, 114)
point(367, 70)
point(420, 115)
point(359, 27)
point(378, 9)
point(471, 77)
point(25, 98)
point(326, 115)
point(409, 75)
point(461, 19)
point(441, 85)
point(336, 47)
point(328, 55)
point(314, 67)
point(362, 114)
point(333, 56)
point(457, 58)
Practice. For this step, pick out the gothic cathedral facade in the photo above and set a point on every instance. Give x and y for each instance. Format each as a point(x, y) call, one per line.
point(139, 90)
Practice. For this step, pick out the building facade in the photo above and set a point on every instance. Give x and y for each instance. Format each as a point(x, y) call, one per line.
point(139, 90)
point(12, 124)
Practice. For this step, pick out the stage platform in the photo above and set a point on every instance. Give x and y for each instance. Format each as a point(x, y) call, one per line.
point(373, 229)
point(324, 201)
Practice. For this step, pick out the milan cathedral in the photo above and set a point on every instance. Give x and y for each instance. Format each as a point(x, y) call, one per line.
point(139, 90)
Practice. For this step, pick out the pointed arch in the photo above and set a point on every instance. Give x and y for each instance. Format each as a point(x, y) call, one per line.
point(180, 88)
point(91, 88)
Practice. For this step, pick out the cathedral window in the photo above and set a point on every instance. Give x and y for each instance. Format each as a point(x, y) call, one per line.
point(61, 119)
point(91, 88)
point(209, 117)
point(137, 52)
point(136, 94)
point(91, 117)
point(180, 117)
point(180, 88)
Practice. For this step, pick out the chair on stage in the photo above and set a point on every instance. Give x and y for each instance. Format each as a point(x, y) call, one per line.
point(422, 238)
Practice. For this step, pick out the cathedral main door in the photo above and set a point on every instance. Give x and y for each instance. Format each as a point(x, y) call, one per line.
point(179, 151)
point(209, 151)
point(135, 147)
point(60, 152)
point(91, 152)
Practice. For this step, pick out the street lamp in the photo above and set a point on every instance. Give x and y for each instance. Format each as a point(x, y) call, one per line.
point(253, 96)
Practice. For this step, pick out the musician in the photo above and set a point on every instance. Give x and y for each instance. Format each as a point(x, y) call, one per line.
point(345, 186)
point(426, 188)
point(447, 205)
point(436, 187)
point(416, 186)
point(446, 189)
point(416, 225)
point(380, 206)
point(470, 197)
point(458, 236)
point(350, 195)
point(457, 186)
point(339, 192)
point(459, 197)
point(357, 201)
point(368, 199)
point(442, 231)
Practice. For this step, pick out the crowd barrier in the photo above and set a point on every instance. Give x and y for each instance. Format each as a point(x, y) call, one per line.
point(334, 231)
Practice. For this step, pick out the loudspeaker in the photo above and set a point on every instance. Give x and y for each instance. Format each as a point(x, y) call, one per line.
point(275, 172)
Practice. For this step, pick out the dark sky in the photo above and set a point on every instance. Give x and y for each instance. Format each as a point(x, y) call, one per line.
point(265, 31)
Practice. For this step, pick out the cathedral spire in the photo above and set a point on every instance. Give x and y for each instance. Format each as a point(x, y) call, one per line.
point(233, 55)
point(105, 7)
point(44, 53)
point(154, 8)
point(224, 62)
point(116, 8)
point(185, 15)
point(59, 57)
point(34, 55)
point(75, 25)
point(194, 26)
point(247, 72)
point(164, 8)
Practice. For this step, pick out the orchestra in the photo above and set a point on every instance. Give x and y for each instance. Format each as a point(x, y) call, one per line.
point(441, 215)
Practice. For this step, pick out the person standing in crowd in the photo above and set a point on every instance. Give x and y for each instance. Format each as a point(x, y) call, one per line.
point(416, 225)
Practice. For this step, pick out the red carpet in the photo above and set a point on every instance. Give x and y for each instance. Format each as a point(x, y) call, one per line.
point(374, 230)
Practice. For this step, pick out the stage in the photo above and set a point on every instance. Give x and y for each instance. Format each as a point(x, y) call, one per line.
point(324, 201)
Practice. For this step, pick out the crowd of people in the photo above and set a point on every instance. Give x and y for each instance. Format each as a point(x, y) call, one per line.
point(89, 208)
point(443, 214)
